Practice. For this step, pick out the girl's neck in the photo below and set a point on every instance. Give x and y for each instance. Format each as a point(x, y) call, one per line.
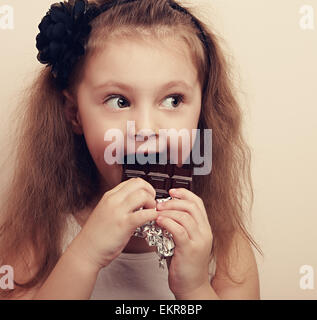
point(137, 245)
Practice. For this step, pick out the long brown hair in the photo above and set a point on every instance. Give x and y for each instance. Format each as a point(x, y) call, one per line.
point(54, 174)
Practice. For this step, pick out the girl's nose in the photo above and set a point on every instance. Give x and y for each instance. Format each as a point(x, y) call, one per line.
point(144, 128)
point(141, 134)
point(145, 123)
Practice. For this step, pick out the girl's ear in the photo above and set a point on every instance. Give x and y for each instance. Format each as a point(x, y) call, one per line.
point(72, 113)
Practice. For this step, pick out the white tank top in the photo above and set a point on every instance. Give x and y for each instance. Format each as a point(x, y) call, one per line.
point(131, 276)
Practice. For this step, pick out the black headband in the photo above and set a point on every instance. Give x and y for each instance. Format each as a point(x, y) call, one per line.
point(65, 29)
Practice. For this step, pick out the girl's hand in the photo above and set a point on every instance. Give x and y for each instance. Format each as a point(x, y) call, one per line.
point(112, 223)
point(186, 219)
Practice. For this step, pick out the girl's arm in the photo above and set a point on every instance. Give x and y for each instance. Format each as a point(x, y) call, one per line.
point(243, 269)
point(72, 278)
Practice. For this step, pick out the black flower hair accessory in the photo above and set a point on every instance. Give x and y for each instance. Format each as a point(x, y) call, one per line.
point(63, 33)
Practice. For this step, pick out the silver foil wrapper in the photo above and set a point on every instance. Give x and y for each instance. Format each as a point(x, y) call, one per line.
point(156, 236)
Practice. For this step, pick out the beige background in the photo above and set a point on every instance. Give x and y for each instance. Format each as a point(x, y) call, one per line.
point(276, 69)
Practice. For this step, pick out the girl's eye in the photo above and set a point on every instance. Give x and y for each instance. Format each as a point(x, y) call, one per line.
point(174, 101)
point(119, 102)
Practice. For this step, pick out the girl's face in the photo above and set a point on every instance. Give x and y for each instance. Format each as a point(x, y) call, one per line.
point(154, 84)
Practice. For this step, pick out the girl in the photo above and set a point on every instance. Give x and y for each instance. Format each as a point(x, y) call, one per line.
point(68, 221)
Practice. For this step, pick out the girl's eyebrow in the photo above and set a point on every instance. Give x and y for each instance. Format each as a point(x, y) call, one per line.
point(171, 84)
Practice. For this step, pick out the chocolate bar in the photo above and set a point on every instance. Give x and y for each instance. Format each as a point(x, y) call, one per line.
point(162, 177)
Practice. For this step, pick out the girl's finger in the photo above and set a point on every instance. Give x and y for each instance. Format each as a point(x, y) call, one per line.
point(180, 235)
point(117, 188)
point(184, 219)
point(184, 194)
point(139, 218)
point(184, 205)
point(134, 184)
point(139, 198)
